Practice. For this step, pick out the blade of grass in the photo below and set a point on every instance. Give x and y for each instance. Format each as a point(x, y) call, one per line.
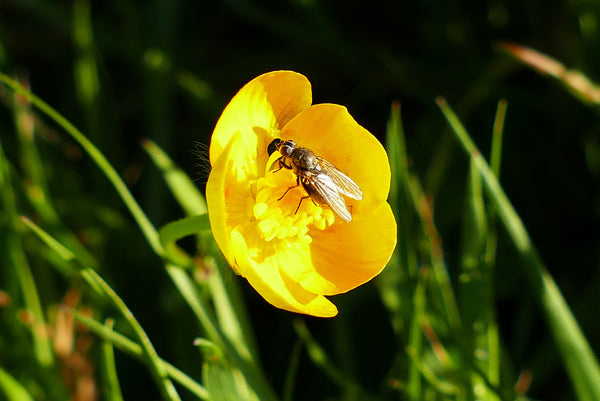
point(436, 257)
point(138, 214)
point(36, 187)
point(153, 362)
point(12, 389)
point(17, 262)
point(182, 188)
point(493, 340)
point(87, 83)
point(133, 349)
point(222, 383)
point(178, 229)
point(249, 369)
point(497, 134)
point(475, 290)
point(399, 285)
point(576, 353)
point(577, 83)
point(112, 389)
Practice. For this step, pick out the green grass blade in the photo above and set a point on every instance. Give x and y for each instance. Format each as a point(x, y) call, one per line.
point(497, 134)
point(493, 339)
point(178, 229)
point(184, 190)
point(223, 383)
point(36, 186)
point(138, 214)
point(87, 82)
point(112, 389)
point(581, 364)
point(475, 287)
point(247, 366)
point(14, 254)
point(399, 284)
point(12, 389)
point(133, 349)
point(157, 369)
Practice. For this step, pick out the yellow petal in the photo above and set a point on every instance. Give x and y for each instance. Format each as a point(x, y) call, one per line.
point(259, 110)
point(218, 197)
point(331, 132)
point(268, 279)
point(352, 254)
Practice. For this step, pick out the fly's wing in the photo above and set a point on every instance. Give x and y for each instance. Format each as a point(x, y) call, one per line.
point(346, 186)
point(324, 187)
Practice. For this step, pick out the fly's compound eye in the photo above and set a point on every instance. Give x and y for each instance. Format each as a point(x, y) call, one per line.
point(273, 146)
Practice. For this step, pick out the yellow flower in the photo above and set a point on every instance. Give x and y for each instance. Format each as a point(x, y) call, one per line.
point(294, 258)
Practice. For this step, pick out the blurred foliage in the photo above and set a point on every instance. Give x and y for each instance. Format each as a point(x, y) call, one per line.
point(123, 72)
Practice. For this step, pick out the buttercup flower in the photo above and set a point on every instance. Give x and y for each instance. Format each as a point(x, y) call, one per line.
point(296, 256)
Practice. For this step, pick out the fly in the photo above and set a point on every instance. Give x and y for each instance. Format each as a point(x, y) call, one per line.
point(324, 183)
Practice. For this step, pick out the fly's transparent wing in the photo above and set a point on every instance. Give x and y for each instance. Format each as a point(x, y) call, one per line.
point(323, 188)
point(346, 186)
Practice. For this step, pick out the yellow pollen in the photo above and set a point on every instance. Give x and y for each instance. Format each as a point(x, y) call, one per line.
point(277, 217)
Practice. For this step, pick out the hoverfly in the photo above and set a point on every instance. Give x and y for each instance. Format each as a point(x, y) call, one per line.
point(321, 180)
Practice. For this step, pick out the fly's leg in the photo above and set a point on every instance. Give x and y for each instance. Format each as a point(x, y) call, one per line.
point(281, 165)
point(300, 203)
point(301, 199)
point(288, 190)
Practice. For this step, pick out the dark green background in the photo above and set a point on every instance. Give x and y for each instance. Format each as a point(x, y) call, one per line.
point(361, 55)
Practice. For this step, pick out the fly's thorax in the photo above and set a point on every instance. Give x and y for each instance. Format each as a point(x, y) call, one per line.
point(305, 159)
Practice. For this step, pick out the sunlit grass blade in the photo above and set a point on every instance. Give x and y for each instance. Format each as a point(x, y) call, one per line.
point(135, 350)
point(178, 229)
point(17, 264)
point(414, 386)
point(87, 82)
point(155, 366)
point(577, 83)
point(497, 134)
point(576, 353)
point(475, 287)
point(112, 389)
point(182, 188)
point(223, 380)
point(493, 339)
point(142, 220)
point(203, 313)
point(223, 384)
point(197, 87)
point(12, 389)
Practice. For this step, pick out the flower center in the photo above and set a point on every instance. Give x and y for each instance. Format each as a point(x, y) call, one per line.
point(280, 216)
